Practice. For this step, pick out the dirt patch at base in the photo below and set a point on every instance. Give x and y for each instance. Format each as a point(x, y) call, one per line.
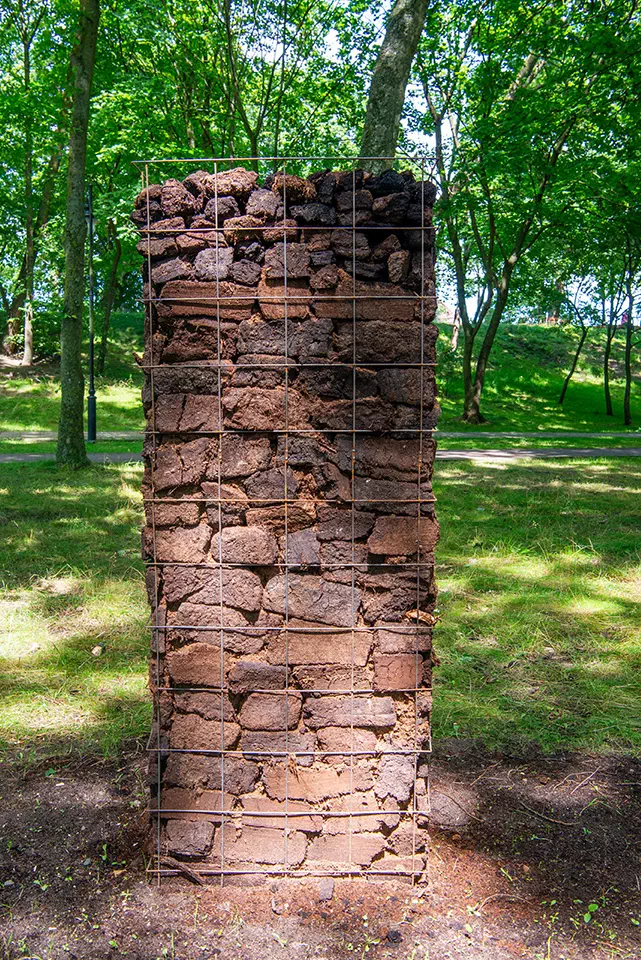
point(535, 857)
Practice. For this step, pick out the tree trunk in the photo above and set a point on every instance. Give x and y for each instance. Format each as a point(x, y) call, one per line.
point(472, 410)
point(71, 441)
point(109, 296)
point(627, 411)
point(456, 329)
point(389, 82)
point(566, 382)
point(30, 257)
point(609, 411)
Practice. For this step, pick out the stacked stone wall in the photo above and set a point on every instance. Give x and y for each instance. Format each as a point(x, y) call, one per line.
point(290, 523)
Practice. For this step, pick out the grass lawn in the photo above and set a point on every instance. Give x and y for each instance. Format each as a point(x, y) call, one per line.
point(539, 570)
point(524, 378)
point(33, 402)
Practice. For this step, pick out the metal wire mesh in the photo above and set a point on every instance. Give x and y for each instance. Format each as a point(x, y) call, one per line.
point(419, 621)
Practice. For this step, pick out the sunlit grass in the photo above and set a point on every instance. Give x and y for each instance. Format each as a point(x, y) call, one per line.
point(539, 569)
point(73, 641)
point(540, 638)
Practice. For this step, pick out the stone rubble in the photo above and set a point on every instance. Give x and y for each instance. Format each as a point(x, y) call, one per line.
point(290, 527)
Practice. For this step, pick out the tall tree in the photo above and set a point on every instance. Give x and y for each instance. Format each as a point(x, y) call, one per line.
point(71, 441)
point(520, 105)
point(389, 82)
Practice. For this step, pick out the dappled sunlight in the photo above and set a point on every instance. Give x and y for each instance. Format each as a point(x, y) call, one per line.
point(540, 634)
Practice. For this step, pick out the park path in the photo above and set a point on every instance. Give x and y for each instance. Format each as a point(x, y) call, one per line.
point(36, 436)
point(494, 456)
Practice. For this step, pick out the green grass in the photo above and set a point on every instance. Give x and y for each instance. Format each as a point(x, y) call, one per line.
point(73, 580)
point(533, 443)
point(526, 371)
point(49, 446)
point(539, 573)
point(33, 403)
point(540, 576)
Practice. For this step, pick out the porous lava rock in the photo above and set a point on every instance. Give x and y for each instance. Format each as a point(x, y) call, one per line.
point(290, 529)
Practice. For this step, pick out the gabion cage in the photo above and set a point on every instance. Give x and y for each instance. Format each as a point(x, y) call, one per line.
point(290, 526)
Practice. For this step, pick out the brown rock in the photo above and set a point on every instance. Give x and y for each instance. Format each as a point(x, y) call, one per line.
point(191, 732)
point(360, 848)
point(299, 816)
point(243, 228)
point(326, 278)
point(171, 270)
point(395, 778)
point(213, 264)
point(271, 299)
point(335, 739)
point(398, 266)
point(395, 638)
point(236, 182)
point(343, 711)
point(267, 711)
point(207, 771)
point(335, 523)
point(153, 192)
point(246, 272)
point(165, 247)
point(189, 838)
point(190, 298)
point(255, 337)
point(250, 545)
point(293, 189)
point(174, 514)
point(257, 744)
point(403, 536)
point(196, 665)
point(285, 230)
point(347, 243)
point(242, 456)
point(270, 485)
point(295, 254)
point(360, 200)
point(176, 200)
point(309, 596)
point(249, 675)
point(397, 671)
point(391, 209)
point(301, 547)
point(190, 805)
point(299, 515)
point(310, 644)
point(262, 203)
point(388, 246)
point(310, 785)
point(182, 545)
point(220, 209)
point(312, 338)
point(191, 243)
point(261, 845)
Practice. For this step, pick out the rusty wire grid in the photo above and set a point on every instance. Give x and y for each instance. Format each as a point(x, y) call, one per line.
point(420, 621)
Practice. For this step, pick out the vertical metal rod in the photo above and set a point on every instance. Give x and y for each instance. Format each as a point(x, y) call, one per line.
point(220, 540)
point(91, 396)
point(154, 633)
point(286, 493)
point(353, 519)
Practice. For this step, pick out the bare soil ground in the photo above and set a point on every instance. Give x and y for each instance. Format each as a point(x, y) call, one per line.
point(531, 856)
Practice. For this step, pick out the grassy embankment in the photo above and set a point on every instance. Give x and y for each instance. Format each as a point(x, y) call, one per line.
point(539, 571)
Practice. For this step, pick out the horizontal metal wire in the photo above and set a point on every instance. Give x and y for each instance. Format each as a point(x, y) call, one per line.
point(291, 564)
point(338, 814)
point(297, 158)
point(295, 874)
point(281, 225)
point(295, 298)
point(282, 502)
point(292, 431)
point(279, 629)
point(284, 754)
point(231, 365)
point(304, 691)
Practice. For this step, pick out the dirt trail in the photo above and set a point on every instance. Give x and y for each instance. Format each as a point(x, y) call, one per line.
point(523, 850)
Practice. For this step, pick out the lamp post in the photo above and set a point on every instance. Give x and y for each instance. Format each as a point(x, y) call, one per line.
point(91, 397)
